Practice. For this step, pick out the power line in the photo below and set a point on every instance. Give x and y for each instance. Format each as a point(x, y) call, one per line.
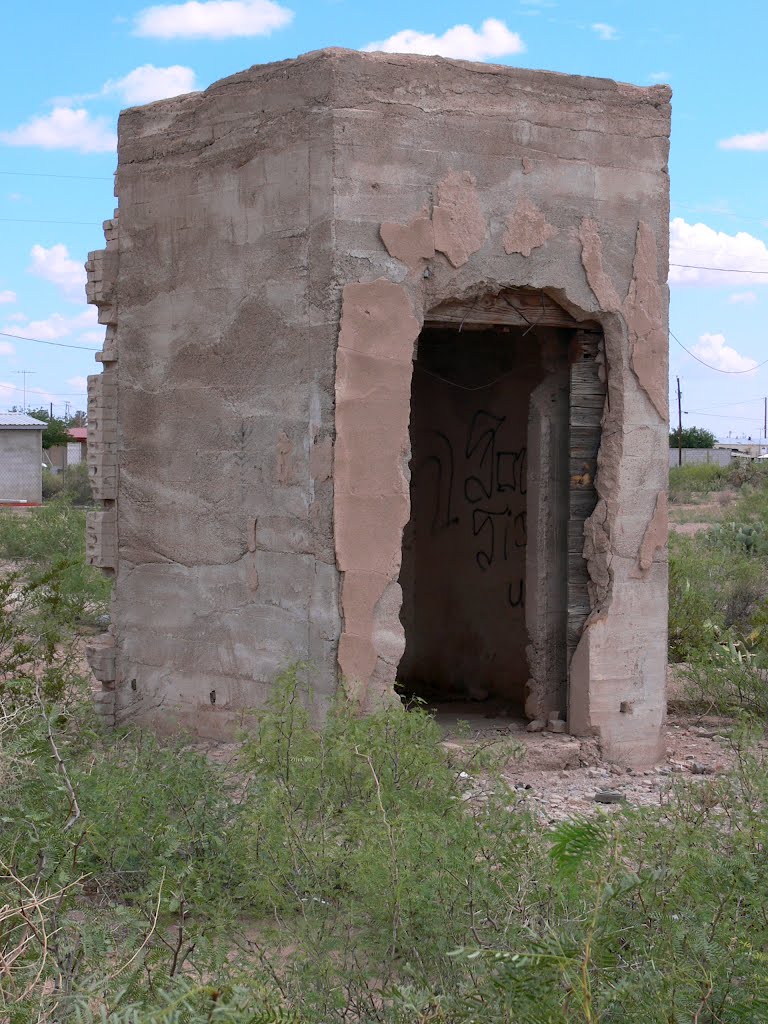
point(709, 365)
point(41, 391)
point(720, 416)
point(728, 405)
point(720, 270)
point(39, 341)
point(25, 220)
point(717, 213)
point(38, 174)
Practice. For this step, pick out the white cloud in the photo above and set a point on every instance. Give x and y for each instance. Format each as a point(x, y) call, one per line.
point(56, 265)
point(65, 128)
point(212, 19)
point(659, 76)
point(756, 142)
point(7, 349)
point(713, 350)
point(56, 326)
point(743, 297)
point(699, 246)
point(6, 297)
point(148, 83)
point(493, 40)
point(605, 32)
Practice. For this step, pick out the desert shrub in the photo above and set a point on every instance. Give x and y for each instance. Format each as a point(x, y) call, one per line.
point(49, 544)
point(76, 487)
point(53, 484)
point(711, 584)
point(686, 481)
point(355, 872)
point(742, 537)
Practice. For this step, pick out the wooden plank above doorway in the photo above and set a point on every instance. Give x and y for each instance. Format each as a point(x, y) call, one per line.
point(512, 307)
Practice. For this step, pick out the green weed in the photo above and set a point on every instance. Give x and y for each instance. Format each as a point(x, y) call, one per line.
point(49, 546)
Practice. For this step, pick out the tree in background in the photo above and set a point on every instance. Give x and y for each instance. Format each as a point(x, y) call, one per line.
point(56, 431)
point(692, 437)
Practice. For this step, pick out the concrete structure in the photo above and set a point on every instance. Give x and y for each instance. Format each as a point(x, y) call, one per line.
point(62, 456)
point(385, 390)
point(21, 460)
point(701, 456)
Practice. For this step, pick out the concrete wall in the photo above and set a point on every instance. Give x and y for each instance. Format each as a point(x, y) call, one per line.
point(281, 238)
point(700, 456)
point(21, 461)
point(511, 178)
point(216, 399)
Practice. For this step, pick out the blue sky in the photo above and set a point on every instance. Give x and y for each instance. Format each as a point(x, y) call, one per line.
point(69, 68)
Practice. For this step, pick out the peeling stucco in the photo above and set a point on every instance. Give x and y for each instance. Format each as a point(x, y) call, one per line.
point(410, 243)
point(642, 311)
point(642, 308)
point(526, 228)
point(655, 536)
point(459, 225)
point(371, 502)
point(597, 551)
point(592, 261)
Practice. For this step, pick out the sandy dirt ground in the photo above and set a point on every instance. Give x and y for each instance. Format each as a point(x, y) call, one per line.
point(560, 776)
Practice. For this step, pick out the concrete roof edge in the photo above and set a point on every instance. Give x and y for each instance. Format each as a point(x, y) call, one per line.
point(336, 54)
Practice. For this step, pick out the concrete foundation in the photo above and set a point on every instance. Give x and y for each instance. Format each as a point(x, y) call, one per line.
point(384, 390)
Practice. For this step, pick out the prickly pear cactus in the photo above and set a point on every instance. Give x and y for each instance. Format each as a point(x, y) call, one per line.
point(751, 538)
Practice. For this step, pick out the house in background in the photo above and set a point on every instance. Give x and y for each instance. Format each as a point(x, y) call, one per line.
point(77, 445)
point(21, 460)
point(61, 456)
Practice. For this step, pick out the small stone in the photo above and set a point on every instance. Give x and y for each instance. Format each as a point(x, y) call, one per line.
point(557, 725)
point(700, 769)
point(537, 725)
point(609, 796)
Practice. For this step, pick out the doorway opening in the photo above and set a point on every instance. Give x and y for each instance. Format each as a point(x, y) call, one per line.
point(485, 555)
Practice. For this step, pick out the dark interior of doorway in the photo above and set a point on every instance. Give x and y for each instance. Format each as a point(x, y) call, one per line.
point(464, 549)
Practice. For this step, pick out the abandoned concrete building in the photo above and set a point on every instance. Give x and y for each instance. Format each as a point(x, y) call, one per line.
point(384, 390)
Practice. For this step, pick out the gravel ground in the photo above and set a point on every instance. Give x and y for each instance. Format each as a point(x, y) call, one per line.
point(561, 776)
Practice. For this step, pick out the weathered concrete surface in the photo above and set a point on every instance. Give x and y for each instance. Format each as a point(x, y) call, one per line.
point(257, 217)
point(21, 458)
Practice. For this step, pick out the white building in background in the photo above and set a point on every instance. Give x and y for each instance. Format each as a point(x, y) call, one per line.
point(21, 460)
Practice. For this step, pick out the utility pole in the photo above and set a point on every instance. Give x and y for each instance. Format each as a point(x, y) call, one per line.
point(765, 418)
point(24, 374)
point(679, 425)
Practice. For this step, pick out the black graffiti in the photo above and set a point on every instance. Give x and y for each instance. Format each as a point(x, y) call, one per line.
point(442, 516)
point(516, 594)
point(492, 475)
point(481, 437)
point(501, 526)
point(511, 471)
